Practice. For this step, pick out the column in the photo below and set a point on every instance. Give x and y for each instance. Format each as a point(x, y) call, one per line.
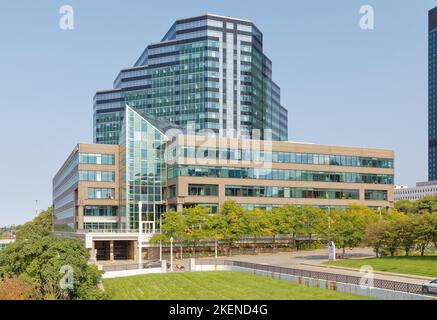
point(111, 250)
point(80, 217)
point(135, 250)
point(179, 207)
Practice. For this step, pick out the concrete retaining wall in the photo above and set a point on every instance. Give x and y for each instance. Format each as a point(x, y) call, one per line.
point(127, 273)
point(324, 284)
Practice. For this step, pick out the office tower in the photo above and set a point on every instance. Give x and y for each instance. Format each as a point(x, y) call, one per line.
point(432, 102)
point(207, 73)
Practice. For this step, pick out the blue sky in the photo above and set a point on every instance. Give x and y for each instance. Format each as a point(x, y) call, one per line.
point(341, 85)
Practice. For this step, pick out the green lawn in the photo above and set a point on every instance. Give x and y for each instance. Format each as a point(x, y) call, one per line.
point(214, 285)
point(422, 266)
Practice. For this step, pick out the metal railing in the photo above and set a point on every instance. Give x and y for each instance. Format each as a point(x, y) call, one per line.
point(111, 230)
point(328, 276)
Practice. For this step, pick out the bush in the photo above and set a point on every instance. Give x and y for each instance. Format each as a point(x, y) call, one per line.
point(17, 289)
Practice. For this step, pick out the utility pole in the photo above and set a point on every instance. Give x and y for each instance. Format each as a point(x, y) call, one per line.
point(36, 207)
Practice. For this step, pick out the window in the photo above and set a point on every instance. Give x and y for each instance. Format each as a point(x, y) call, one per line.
point(89, 158)
point(172, 191)
point(103, 176)
point(278, 174)
point(97, 211)
point(202, 190)
point(99, 226)
point(284, 192)
point(377, 195)
point(101, 193)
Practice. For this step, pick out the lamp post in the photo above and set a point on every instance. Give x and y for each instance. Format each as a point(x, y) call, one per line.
point(154, 207)
point(160, 241)
point(171, 254)
point(140, 231)
point(380, 213)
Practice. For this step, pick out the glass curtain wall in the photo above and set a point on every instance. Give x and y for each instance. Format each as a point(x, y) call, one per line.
point(143, 162)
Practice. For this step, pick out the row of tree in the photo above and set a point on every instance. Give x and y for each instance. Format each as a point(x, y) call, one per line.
point(407, 232)
point(39, 265)
point(426, 204)
point(348, 228)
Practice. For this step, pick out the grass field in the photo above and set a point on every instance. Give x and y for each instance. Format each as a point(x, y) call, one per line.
point(422, 266)
point(214, 285)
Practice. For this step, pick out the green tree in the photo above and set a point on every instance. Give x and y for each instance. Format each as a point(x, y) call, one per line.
point(404, 230)
point(172, 225)
point(374, 235)
point(215, 228)
point(257, 223)
point(42, 261)
point(427, 204)
point(313, 221)
point(195, 218)
point(40, 226)
point(347, 227)
point(424, 229)
point(406, 206)
point(390, 238)
point(433, 229)
point(233, 216)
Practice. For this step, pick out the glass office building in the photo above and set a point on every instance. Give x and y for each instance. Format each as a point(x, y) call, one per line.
point(142, 169)
point(207, 73)
point(432, 102)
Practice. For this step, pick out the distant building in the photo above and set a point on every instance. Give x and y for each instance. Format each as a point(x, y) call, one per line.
point(5, 242)
point(421, 190)
point(432, 98)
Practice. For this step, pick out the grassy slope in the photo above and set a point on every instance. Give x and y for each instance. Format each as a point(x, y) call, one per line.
point(214, 285)
point(422, 266)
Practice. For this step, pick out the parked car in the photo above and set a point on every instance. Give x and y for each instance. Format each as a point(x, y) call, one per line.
point(154, 264)
point(430, 287)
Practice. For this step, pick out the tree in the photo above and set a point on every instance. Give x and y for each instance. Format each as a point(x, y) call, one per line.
point(406, 206)
point(432, 219)
point(427, 204)
point(281, 221)
point(313, 220)
point(390, 238)
point(257, 223)
point(43, 261)
point(41, 258)
point(172, 225)
point(215, 228)
point(404, 233)
point(195, 218)
point(233, 216)
point(424, 229)
point(374, 235)
point(40, 226)
point(347, 227)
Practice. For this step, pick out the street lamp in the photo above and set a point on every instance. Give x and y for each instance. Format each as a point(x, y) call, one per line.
point(140, 231)
point(171, 254)
point(160, 241)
